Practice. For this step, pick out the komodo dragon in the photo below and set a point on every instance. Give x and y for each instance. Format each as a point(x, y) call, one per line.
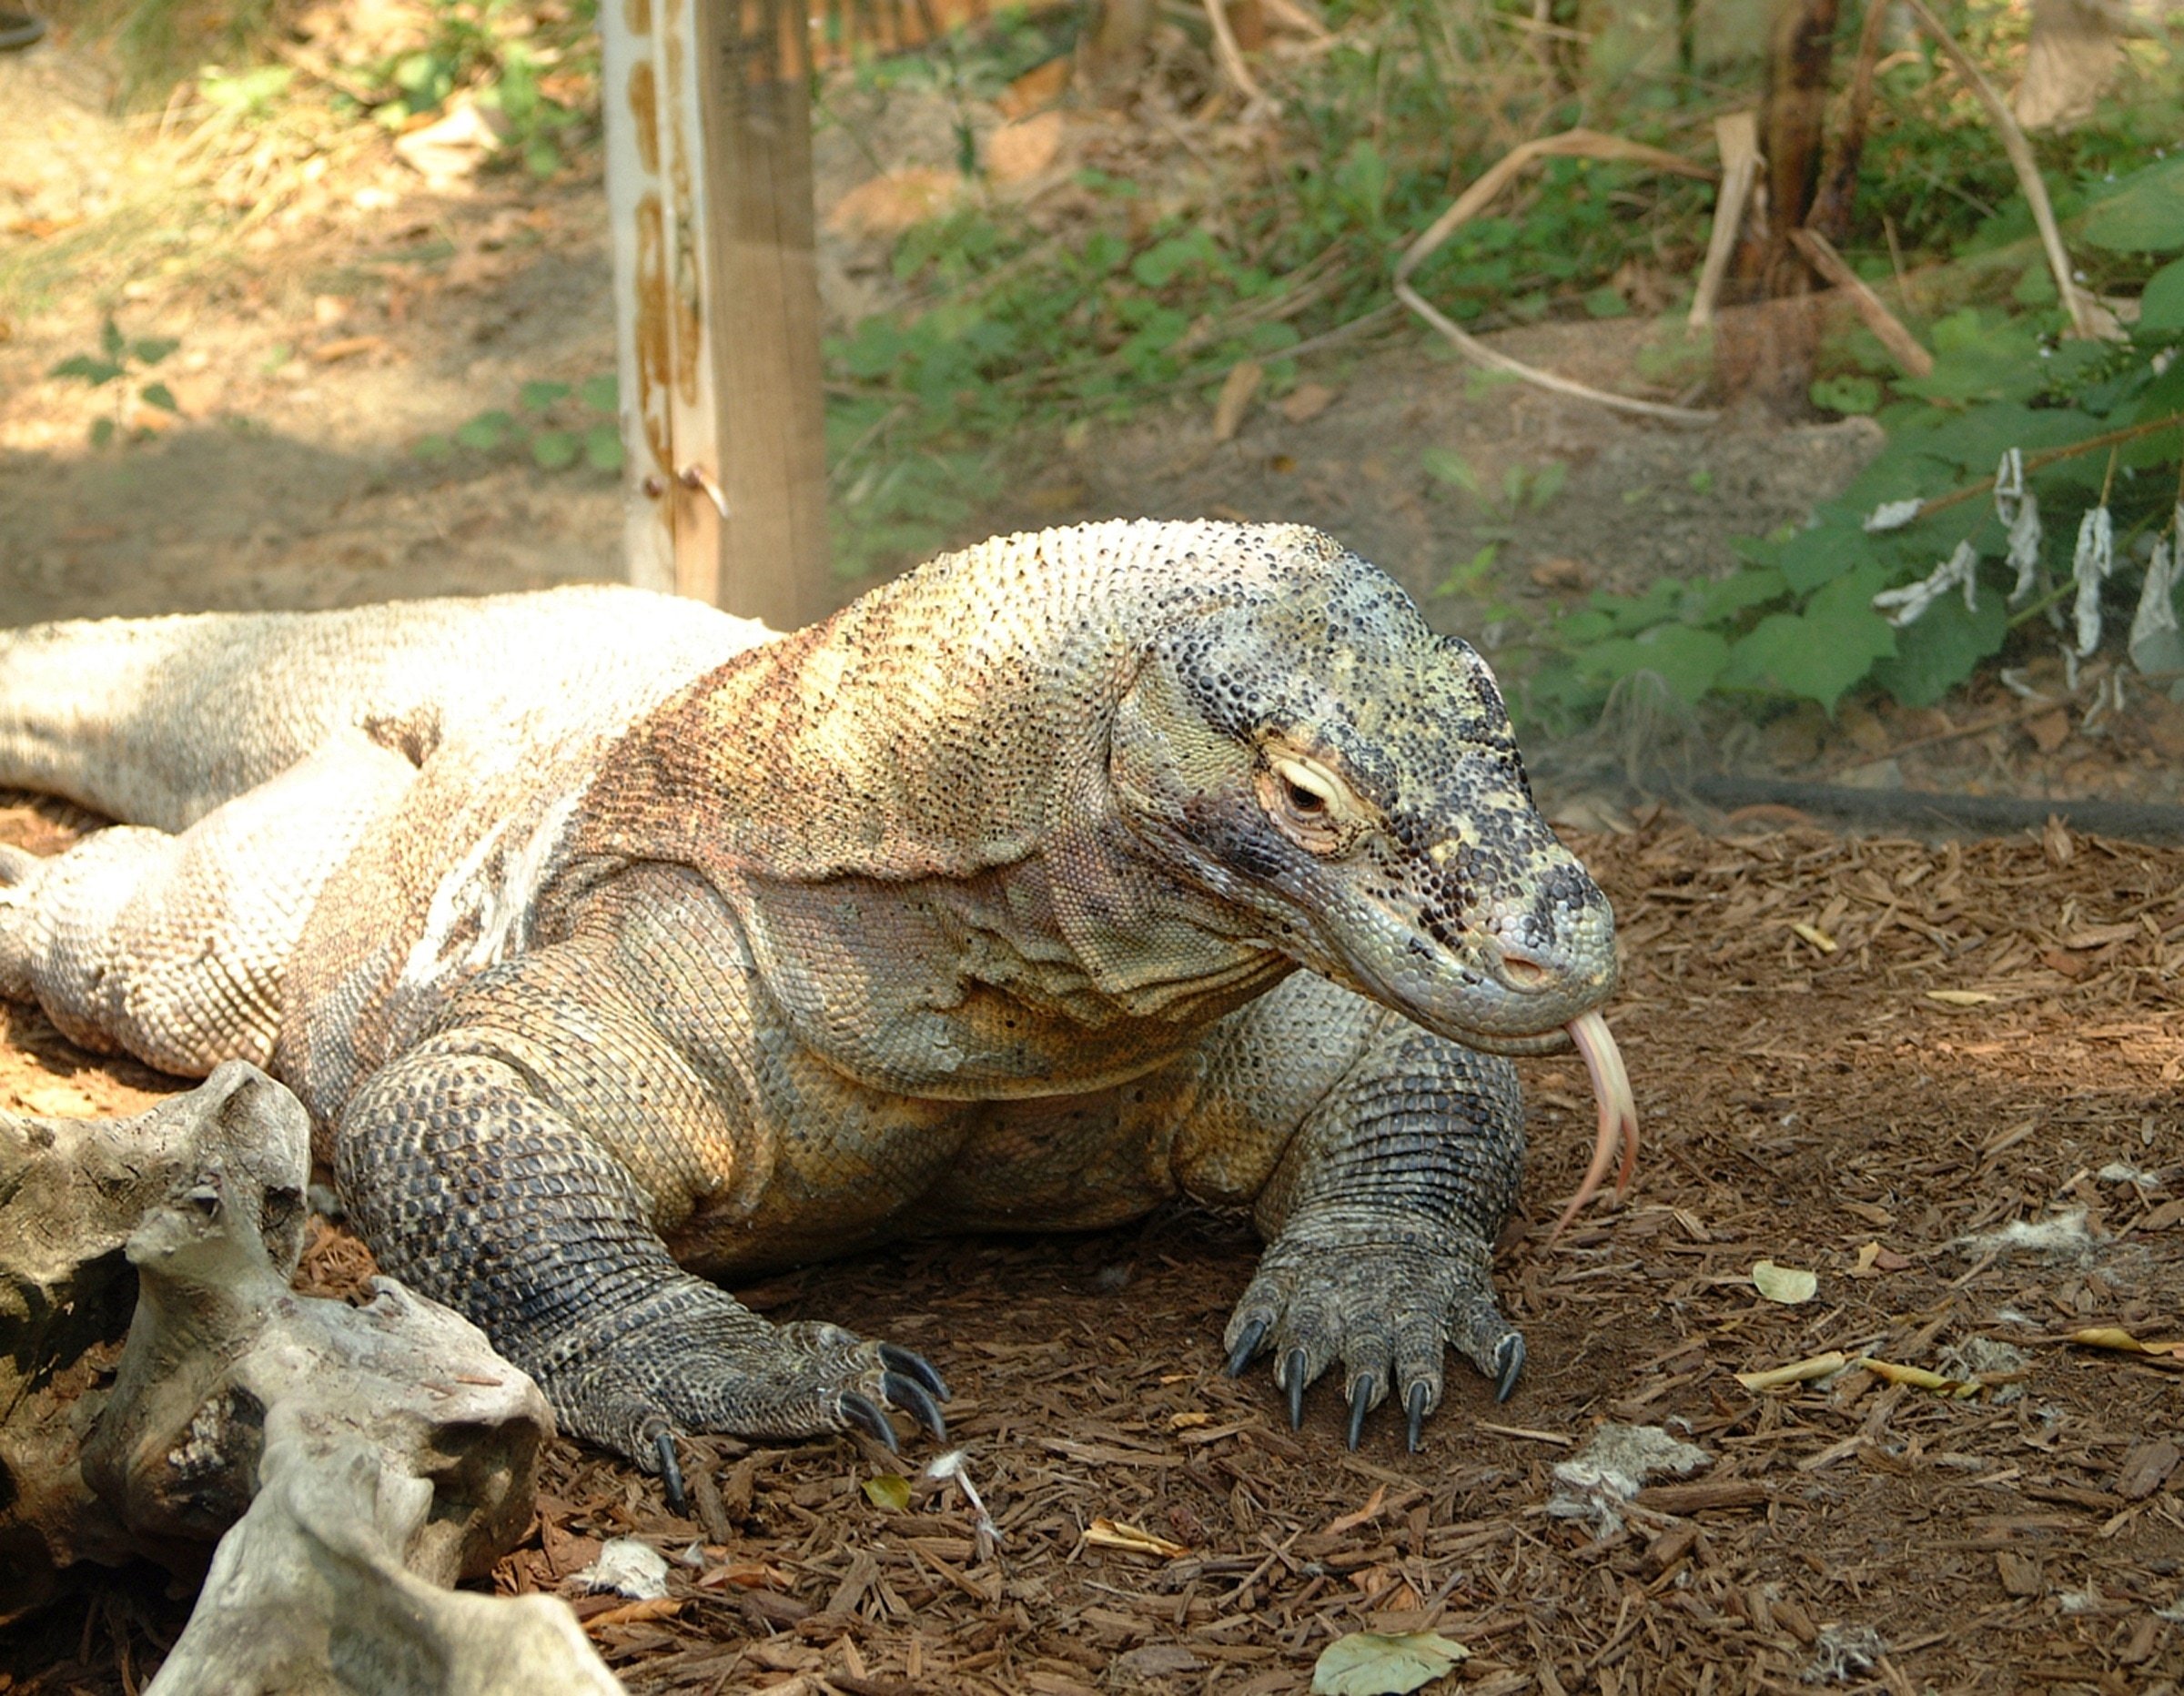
point(599, 931)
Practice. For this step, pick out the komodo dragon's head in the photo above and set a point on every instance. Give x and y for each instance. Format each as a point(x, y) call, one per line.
point(1306, 748)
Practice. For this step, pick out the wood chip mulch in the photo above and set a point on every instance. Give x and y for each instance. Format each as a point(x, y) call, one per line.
point(1867, 1059)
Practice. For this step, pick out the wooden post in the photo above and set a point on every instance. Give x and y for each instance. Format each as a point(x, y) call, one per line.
point(709, 192)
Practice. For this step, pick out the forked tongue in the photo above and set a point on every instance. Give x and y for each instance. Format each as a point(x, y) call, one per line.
point(1618, 1115)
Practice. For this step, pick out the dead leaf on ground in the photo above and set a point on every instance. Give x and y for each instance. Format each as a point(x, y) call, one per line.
point(1367, 1663)
point(889, 204)
point(1306, 402)
point(2114, 1337)
point(1036, 90)
point(1563, 573)
point(1106, 1533)
point(1787, 1284)
point(1024, 148)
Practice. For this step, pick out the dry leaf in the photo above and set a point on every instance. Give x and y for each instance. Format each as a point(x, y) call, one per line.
point(889, 204)
point(1814, 934)
point(1367, 1663)
point(1237, 389)
point(2115, 1337)
point(1916, 1378)
point(1188, 1422)
point(1797, 1372)
point(1959, 997)
point(1787, 1284)
point(1306, 402)
point(1106, 1533)
point(1023, 149)
point(890, 1490)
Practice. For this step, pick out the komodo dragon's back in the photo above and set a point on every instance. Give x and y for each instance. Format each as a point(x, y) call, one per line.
point(156, 721)
point(593, 926)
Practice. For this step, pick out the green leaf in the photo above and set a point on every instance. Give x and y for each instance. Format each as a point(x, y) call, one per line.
point(2161, 305)
point(1469, 574)
point(603, 448)
point(102, 431)
point(1818, 653)
point(1546, 483)
point(111, 341)
point(431, 449)
point(487, 431)
point(2145, 215)
point(555, 449)
point(1943, 648)
point(1606, 302)
point(537, 397)
point(159, 395)
point(541, 158)
point(602, 394)
point(1723, 597)
point(1687, 660)
point(1368, 1663)
point(890, 1490)
point(1819, 555)
point(1858, 395)
point(1447, 466)
point(93, 371)
point(153, 348)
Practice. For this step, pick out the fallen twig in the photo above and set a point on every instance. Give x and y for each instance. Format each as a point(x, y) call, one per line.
point(1570, 143)
point(1902, 345)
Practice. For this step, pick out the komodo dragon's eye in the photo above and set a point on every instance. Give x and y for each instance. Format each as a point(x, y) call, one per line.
point(1310, 805)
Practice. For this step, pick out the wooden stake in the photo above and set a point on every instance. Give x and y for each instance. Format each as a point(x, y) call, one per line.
point(717, 307)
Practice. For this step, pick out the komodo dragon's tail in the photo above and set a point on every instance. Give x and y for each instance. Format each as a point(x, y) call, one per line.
point(159, 720)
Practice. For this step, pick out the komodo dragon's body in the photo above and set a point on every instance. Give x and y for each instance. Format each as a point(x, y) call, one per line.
point(602, 932)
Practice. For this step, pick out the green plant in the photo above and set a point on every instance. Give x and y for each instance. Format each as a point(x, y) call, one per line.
point(122, 363)
point(557, 424)
point(2086, 435)
point(494, 50)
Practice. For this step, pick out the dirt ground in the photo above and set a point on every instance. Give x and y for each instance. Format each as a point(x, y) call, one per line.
point(1993, 1043)
point(1961, 1038)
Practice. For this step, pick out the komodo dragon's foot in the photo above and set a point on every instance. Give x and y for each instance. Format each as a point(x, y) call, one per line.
point(1386, 1309)
point(691, 1358)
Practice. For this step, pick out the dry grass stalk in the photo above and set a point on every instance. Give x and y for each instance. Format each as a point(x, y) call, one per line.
point(1231, 57)
point(2088, 316)
point(1737, 136)
point(1569, 143)
point(1903, 345)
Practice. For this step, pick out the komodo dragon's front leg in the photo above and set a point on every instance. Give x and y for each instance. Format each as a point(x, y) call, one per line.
point(1379, 1162)
point(572, 1109)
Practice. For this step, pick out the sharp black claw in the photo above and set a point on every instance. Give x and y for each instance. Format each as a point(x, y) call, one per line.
point(670, 1471)
point(1510, 1354)
point(870, 1417)
point(909, 1394)
point(1245, 1346)
point(1360, 1399)
point(913, 1365)
point(1416, 1402)
point(1295, 1374)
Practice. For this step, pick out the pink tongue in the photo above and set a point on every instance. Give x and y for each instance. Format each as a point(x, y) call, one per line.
point(1618, 1115)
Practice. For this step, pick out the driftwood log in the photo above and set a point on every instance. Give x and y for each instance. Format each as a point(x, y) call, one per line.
point(349, 1462)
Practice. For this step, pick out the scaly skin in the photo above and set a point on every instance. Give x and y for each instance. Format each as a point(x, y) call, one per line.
point(979, 905)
